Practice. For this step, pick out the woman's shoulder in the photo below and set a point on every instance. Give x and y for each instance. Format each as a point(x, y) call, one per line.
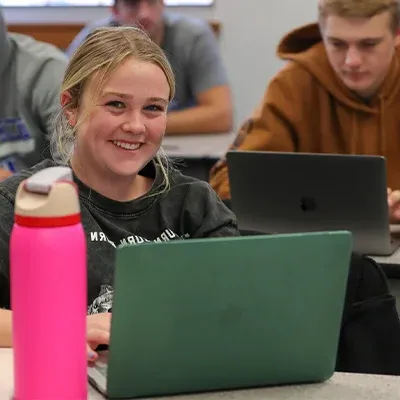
point(193, 193)
point(201, 207)
point(188, 185)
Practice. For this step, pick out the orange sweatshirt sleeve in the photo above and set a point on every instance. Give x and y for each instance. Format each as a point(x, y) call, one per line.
point(270, 128)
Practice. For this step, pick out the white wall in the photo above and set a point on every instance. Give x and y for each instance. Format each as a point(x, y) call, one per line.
point(250, 32)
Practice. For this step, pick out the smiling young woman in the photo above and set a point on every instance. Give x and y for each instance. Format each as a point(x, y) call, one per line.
point(114, 99)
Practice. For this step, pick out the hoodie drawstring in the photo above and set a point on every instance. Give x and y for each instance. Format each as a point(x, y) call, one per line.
point(382, 133)
point(354, 132)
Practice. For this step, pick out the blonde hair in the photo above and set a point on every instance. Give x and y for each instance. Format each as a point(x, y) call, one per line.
point(360, 9)
point(104, 50)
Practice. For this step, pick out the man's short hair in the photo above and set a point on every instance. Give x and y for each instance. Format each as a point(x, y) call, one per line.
point(125, 1)
point(360, 9)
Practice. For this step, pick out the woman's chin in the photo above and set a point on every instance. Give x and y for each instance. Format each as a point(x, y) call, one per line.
point(125, 170)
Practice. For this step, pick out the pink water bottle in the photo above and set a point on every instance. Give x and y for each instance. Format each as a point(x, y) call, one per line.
point(49, 289)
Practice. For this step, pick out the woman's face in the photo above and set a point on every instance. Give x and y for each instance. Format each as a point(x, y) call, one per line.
point(123, 130)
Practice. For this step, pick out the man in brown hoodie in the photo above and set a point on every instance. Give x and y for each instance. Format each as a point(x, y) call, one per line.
point(338, 93)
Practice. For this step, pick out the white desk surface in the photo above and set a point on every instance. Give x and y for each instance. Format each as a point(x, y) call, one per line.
point(339, 387)
point(393, 259)
point(213, 145)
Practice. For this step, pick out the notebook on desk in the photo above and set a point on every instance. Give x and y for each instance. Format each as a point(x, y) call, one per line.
point(300, 192)
point(224, 313)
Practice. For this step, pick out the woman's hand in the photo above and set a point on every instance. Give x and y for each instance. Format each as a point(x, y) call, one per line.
point(98, 332)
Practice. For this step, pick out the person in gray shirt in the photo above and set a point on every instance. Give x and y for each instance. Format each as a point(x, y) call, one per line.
point(30, 79)
point(202, 103)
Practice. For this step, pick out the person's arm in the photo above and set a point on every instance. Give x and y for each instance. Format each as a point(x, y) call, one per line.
point(6, 223)
point(271, 128)
point(208, 81)
point(5, 328)
point(394, 205)
point(212, 114)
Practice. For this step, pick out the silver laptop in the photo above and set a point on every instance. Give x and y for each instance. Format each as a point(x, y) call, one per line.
point(300, 192)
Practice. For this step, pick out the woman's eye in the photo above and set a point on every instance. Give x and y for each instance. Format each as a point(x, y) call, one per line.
point(116, 104)
point(154, 107)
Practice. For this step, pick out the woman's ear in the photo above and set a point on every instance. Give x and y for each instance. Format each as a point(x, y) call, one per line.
point(70, 113)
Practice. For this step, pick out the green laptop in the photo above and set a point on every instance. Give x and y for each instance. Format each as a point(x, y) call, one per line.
point(199, 315)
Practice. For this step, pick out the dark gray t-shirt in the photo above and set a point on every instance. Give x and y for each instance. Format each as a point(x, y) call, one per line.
point(192, 49)
point(190, 209)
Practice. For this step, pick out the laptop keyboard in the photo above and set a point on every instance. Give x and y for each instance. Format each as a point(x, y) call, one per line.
point(101, 367)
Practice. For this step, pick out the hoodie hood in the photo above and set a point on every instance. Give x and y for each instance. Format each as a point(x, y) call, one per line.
point(299, 40)
point(304, 46)
point(5, 45)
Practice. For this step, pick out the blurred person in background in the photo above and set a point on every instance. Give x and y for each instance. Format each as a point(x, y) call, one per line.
point(202, 103)
point(338, 93)
point(30, 78)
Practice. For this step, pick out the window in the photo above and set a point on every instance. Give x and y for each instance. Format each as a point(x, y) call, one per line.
point(92, 3)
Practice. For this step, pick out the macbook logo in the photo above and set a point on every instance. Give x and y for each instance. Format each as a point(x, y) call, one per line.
point(307, 204)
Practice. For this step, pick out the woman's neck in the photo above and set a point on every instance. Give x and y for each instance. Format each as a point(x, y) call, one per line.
point(119, 189)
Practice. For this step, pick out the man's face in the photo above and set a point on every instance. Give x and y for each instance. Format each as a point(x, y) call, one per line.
point(146, 14)
point(360, 50)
